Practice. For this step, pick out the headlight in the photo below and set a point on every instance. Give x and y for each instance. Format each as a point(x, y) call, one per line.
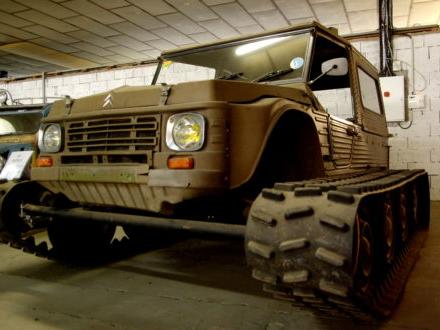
point(49, 138)
point(185, 132)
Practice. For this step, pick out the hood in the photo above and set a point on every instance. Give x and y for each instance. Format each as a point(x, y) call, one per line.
point(199, 91)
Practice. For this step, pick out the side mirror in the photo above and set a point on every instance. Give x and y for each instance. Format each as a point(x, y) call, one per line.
point(335, 67)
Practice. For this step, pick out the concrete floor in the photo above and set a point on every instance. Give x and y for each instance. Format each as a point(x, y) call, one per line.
point(194, 284)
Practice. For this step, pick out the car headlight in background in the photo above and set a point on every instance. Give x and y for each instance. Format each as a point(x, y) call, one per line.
point(185, 132)
point(50, 138)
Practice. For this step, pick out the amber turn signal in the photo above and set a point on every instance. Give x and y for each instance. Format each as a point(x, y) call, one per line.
point(44, 161)
point(180, 163)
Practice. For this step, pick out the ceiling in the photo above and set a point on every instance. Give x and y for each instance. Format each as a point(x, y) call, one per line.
point(51, 35)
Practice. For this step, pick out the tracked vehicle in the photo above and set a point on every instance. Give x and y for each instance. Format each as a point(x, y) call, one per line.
point(19, 125)
point(282, 141)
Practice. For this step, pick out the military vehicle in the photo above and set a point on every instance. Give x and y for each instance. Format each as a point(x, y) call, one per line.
point(283, 142)
point(19, 125)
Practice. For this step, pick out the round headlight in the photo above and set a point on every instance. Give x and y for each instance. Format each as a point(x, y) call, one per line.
point(50, 140)
point(185, 132)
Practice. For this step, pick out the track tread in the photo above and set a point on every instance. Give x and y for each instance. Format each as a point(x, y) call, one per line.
point(288, 186)
point(330, 257)
point(273, 194)
point(340, 197)
point(263, 250)
point(263, 217)
point(333, 288)
point(296, 276)
point(298, 212)
point(263, 276)
point(328, 285)
point(293, 244)
point(308, 191)
point(334, 223)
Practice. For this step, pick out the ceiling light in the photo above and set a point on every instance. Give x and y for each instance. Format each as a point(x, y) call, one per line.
point(248, 48)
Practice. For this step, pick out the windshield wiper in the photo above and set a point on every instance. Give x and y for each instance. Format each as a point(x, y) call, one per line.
point(272, 74)
point(231, 76)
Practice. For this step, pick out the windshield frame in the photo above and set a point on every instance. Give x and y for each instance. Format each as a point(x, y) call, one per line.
point(302, 78)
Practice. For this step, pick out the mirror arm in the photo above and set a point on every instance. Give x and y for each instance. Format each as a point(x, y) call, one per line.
point(323, 74)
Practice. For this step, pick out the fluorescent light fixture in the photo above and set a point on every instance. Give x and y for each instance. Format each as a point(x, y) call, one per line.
point(48, 55)
point(248, 48)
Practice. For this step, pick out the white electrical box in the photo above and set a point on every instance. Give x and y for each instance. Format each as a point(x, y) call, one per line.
point(393, 95)
point(416, 101)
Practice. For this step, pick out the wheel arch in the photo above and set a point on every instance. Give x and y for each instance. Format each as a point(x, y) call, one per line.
point(293, 130)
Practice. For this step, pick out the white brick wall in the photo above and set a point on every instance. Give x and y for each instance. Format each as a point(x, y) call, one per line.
point(78, 85)
point(416, 147)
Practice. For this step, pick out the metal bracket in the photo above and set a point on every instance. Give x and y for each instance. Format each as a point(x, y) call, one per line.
point(68, 103)
point(165, 92)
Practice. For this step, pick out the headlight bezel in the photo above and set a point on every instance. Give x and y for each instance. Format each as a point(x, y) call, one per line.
point(171, 123)
point(41, 138)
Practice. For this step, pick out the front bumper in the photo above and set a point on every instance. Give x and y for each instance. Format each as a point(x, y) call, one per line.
point(135, 187)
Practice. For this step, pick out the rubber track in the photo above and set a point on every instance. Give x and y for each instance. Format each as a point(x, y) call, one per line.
point(304, 234)
point(118, 248)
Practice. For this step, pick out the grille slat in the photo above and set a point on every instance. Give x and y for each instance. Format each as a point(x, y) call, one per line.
point(113, 135)
point(142, 126)
point(127, 141)
point(88, 144)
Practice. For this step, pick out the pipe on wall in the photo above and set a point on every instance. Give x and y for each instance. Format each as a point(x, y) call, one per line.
point(385, 37)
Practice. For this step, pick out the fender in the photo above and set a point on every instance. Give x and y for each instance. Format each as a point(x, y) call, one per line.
point(277, 135)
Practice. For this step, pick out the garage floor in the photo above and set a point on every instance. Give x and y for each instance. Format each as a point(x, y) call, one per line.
point(193, 284)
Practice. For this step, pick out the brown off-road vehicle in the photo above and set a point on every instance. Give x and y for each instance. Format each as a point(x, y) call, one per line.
point(284, 142)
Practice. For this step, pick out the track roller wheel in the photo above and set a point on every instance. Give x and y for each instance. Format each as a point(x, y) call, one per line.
point(403, 215)
point(364, 255)
point(389, 229)
point(415, 214)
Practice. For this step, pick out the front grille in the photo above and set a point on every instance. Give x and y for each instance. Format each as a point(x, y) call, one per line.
point(109, 159)
point(122, 140)
point(113, 135)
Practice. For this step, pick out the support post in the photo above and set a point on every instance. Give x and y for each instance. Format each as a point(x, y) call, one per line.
point(43, 86)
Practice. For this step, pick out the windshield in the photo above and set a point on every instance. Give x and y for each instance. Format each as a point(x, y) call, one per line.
point(266, 59)
point(20, 122)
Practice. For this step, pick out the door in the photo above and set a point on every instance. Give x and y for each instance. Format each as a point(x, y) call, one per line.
point(334, 92)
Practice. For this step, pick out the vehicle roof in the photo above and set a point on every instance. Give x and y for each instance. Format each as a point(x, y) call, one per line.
point(305, 26)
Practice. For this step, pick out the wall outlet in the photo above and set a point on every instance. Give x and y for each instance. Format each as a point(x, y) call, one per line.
point(416, 101)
